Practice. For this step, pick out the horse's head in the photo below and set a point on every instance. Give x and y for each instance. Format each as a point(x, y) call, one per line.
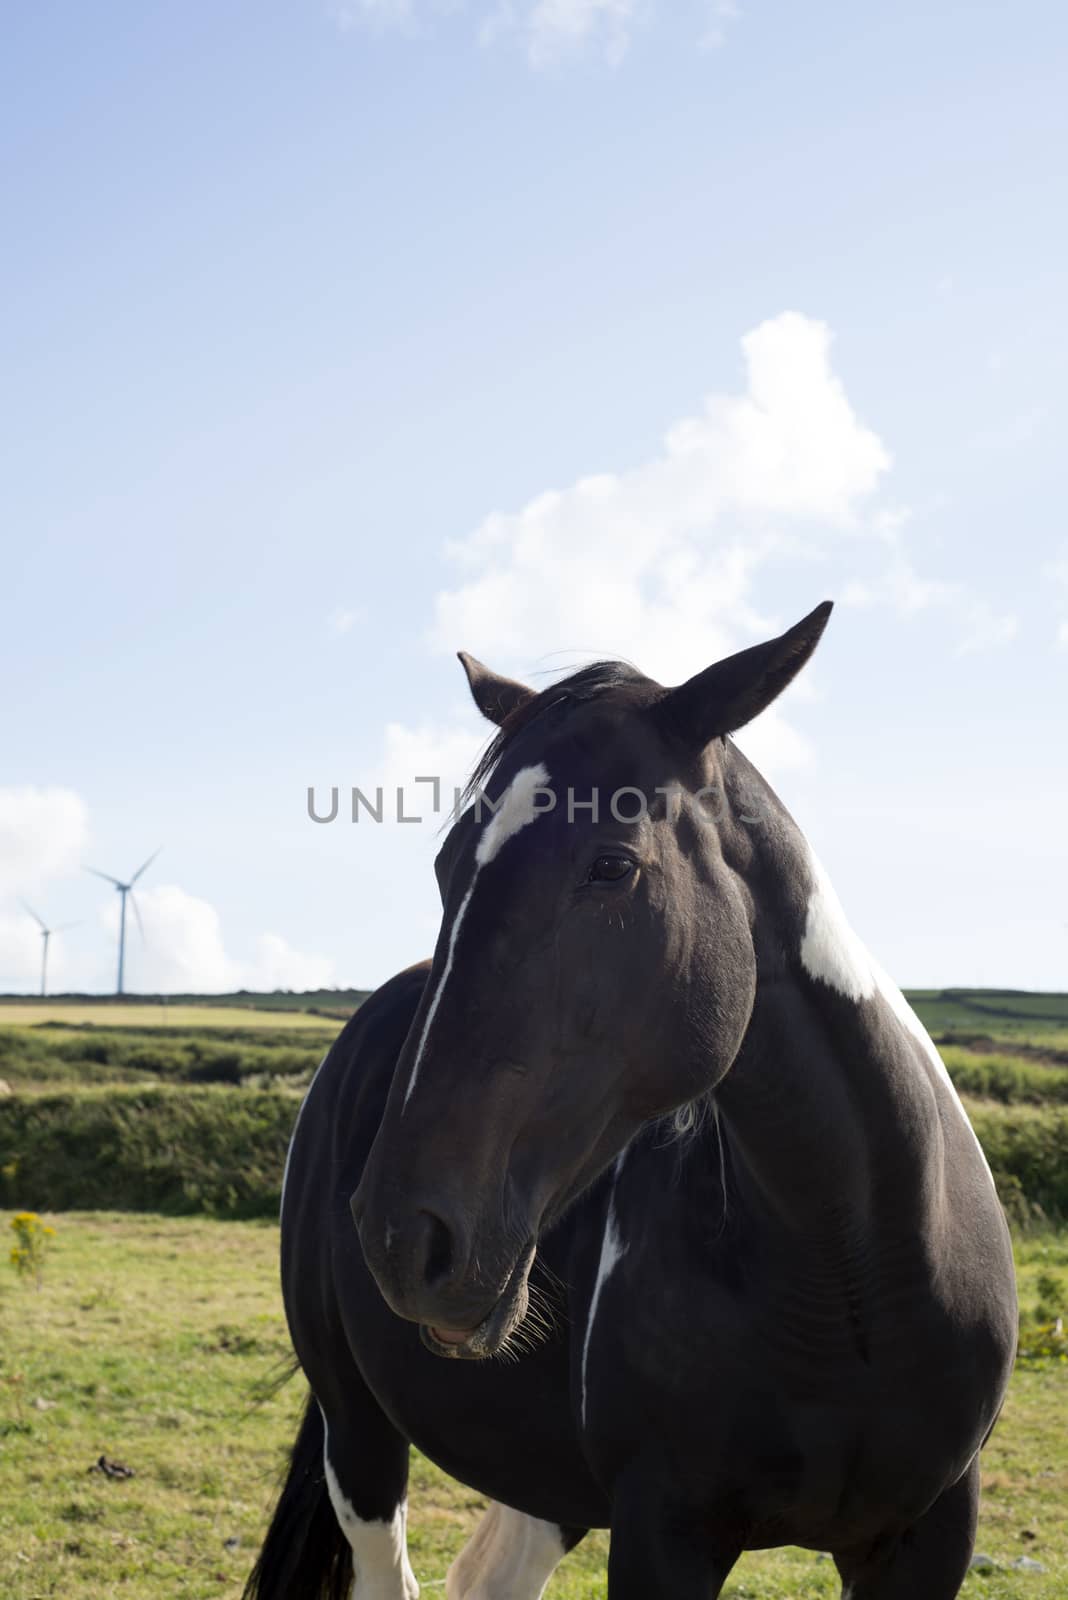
point(595, 969)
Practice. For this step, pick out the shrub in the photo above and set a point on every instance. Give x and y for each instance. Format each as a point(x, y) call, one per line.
point(32, 1239)
point(172, 1150)
point(1012, 1080)
point(1027, 1148)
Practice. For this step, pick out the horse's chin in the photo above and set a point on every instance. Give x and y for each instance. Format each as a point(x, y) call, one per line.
point(490, 1336)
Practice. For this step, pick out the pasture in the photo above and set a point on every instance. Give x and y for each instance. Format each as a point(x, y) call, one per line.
point(153, 1338)
point(150, 1342)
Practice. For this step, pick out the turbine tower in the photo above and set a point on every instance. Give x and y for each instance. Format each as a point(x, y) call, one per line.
point(46, 934)
point(125, 889)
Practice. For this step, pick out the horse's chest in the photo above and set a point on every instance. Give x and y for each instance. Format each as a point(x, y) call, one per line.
point(770, 1398)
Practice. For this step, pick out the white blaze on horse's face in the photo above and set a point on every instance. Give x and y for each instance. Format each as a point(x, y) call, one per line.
point(517, 807)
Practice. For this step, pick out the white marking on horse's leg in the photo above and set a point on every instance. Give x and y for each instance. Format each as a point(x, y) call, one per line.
point(515, 809)
point(612, 1249)
point(379, 1549)
point(296, 1125)
point(509, 1557)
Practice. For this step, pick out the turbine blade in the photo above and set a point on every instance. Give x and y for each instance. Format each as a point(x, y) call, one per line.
point(145, 867)
point(106, 875)
point(65, 925)
point(39, 920)
point(137, 914)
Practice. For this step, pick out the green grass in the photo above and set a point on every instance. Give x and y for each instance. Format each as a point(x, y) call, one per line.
point(158, 1014)
point(146, 1343)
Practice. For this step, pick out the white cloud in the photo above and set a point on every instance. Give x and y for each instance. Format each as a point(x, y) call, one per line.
point(658, 562)
point(20, 952)
point(376, 14)
point(447, 752)
point(553, 30)
point(344, 618)
point(1015, 432)
point(984, 628)
point(278, 965)
point(721, 14)
point(43, 835)
point(549, 31)
point(183, 950)
point(43, 832)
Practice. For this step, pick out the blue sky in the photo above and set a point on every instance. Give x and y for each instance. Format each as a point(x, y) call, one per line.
point(309, 307)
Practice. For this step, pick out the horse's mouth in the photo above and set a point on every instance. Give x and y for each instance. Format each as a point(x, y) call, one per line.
point(489, 1336)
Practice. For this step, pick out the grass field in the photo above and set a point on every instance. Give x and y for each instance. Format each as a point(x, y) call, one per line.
point(160, 1014)
point(150, 1335)
point(146, 1343)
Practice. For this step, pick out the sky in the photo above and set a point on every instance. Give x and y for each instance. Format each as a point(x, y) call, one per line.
point(337, 337)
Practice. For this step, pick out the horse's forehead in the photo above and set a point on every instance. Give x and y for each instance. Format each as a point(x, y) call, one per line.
point(541, 781)
point(524, 800)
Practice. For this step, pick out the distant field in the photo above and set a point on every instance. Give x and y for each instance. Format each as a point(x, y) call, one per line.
point(29, 1014)
point(1009, 1016)
point(193, 1102)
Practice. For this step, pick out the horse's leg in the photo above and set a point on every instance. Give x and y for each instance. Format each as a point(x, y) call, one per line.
point(929, 1559)
point(509, 1557)
point(661, 1550)
point(365, 1461)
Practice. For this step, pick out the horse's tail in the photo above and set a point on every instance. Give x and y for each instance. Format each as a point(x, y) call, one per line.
point(305, 1555)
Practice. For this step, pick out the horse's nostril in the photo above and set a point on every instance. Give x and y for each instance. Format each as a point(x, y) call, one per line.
point(437, 1249)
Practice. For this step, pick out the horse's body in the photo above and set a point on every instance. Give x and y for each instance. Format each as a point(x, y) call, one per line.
point(790, 1323)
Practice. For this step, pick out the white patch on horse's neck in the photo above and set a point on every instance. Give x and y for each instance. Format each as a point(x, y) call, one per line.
point(516, 808)
point(612, 1251)
point(832, 952)
point(379, 1549)
point(509, 1554)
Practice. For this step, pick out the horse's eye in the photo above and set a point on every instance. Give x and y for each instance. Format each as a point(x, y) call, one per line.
point(609, 869)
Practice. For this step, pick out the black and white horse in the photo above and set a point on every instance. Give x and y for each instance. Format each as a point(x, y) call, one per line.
point(657, 1133)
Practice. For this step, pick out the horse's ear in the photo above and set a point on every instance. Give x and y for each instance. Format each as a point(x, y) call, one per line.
point(734, 691)
point(495, 697)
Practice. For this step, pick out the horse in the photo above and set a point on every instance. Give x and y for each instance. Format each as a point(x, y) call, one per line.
point(648, 1203)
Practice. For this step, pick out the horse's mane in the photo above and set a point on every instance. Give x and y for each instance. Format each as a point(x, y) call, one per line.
point(585, 684)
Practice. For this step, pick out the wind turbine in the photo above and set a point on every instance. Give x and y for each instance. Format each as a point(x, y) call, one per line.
point(46, 934)
point(124, 890)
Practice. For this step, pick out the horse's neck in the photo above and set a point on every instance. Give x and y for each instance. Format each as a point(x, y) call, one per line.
point(828, 1108)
